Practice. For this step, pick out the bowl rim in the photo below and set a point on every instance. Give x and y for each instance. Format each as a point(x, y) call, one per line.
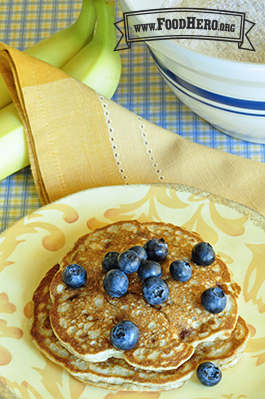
point(235, 70)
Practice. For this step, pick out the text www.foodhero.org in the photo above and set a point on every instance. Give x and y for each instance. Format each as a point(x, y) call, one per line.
point(184, 23)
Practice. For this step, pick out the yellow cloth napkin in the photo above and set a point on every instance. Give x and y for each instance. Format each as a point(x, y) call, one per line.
point(78, 139)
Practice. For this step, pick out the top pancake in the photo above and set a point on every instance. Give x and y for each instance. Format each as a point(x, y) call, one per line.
point(82, 318)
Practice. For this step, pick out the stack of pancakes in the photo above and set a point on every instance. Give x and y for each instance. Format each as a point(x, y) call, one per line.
point(72, 326)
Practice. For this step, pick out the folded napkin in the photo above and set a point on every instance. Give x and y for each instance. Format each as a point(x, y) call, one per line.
point(78, 139)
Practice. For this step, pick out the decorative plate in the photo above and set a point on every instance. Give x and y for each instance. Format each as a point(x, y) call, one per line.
point(34, 244)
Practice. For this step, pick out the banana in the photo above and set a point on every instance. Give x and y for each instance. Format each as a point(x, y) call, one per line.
point(13, 147)
point(97, 65)
point(60, 47)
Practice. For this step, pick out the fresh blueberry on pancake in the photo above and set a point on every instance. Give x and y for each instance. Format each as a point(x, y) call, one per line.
point(180, 270)
point(115, 283)
point(203, 254)
point(157, 249)
point(214, 300)
point(128, 262)
point(141, 252)
point(208, 374)
point(74, 276)
point(109, 260)
point(149, 268)
point(155, 290)
point(124, 335)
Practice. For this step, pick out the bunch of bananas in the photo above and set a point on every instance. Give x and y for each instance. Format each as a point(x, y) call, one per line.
point(81, 50)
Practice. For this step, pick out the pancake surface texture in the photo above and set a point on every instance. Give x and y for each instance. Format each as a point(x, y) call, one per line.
point(82, 318)
point(116, 373)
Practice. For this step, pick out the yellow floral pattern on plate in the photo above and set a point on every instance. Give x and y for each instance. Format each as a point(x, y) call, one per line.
point(34, 244)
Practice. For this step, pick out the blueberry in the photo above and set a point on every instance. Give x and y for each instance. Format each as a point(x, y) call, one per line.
point(203, 254)
point(213, 300)
point(110, 260)
point(149, 268)
point(141, 252)
point(208, 374)
point(157, 249)
point(180, 270)
point(128, 262)
point(155, 290)
point(124, 335)
point(74, 276)
point(115, 283)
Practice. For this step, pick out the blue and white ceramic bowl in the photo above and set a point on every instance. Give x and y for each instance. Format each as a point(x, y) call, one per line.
point(230, 95)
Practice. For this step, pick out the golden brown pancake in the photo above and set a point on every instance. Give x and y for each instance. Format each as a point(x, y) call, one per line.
point(116, 373)
point(169, 333)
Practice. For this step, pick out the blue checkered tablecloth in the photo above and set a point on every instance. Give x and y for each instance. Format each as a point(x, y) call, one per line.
point(141, 90)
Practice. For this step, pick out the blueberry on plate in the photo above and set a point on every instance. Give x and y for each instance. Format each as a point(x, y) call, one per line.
point(115, 283)
point(208, 374)
point(74, 276)
point(128, 262)
point(157, 249)
point(124, 335)
point(203, 254)
point(214, 300)
point(149, 268)
point(141, 252)
point(109, 260)
point(155, 290)
point(180, 270)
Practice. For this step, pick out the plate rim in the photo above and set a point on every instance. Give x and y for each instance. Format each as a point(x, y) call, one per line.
point(255, 217)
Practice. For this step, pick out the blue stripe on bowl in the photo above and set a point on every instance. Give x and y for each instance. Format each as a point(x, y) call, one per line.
point(207, 95)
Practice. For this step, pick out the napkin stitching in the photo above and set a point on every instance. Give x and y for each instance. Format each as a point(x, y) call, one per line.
point(149, 150)
point(112, 138)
